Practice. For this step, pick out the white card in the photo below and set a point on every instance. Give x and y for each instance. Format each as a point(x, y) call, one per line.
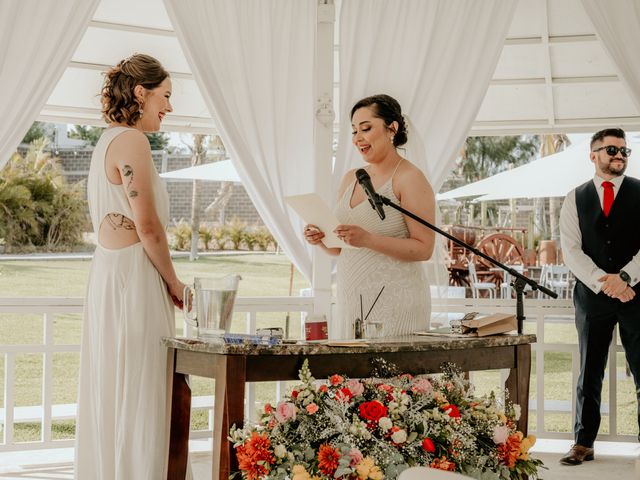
point(314, 211)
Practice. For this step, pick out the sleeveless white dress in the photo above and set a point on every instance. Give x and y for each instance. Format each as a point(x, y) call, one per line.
point(404, 305)
point(123, 417)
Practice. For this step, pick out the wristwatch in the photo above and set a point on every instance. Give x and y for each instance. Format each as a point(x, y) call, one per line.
point(624, 276)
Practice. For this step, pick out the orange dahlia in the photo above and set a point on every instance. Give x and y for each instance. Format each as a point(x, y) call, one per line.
point(443, 464)
point(255, 456)
point(328, 458)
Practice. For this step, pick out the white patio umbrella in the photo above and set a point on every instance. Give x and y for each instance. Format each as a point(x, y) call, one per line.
point(551, 176)
point(222, 171)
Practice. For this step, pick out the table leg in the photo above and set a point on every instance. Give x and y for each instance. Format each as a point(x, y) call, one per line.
point(230, 379)
point(518, 384)
point(179, 428)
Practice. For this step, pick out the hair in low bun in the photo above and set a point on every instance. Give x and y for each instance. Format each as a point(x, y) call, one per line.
point(119, 103)
point(388, 109)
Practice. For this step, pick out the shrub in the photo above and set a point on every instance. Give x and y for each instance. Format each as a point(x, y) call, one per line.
point(206, 235)
point(236, 233)
point(37, 206)
point(181, 236)
point(263, 238)
point(220, 236)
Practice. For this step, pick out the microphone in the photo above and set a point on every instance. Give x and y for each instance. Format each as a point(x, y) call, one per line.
point(365, 182)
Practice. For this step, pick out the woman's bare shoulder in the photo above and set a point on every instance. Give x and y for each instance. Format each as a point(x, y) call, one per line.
point(130, 144)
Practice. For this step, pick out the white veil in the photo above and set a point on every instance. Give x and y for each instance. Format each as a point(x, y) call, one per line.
point(436, 268)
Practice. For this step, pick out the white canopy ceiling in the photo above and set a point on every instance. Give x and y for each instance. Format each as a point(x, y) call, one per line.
point(553, 74)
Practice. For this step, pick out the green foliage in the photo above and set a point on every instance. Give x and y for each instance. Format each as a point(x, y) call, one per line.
point(486, 156)
point(37, 207)
point(263, 238)
point(36, 131)
point(181, 236)
point(206, 235)
point(86, 133)
point(158, 140)
point(220, 235)
point(236, 233)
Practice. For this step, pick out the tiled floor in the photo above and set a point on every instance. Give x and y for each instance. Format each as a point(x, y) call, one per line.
point(613, 461)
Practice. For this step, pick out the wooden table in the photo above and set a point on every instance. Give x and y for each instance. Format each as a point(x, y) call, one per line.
point(234, 365)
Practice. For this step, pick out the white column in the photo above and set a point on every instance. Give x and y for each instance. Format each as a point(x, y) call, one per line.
point(323, 141)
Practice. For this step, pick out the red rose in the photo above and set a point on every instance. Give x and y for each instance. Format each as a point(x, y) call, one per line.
point(452, 409)
point(428, 445)
point(372, 411)
point(323, 389)
point(294, 394)
point(268, 408)
point(344, 394)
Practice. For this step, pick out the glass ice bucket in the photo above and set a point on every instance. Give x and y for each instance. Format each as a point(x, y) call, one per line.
point(208, 304)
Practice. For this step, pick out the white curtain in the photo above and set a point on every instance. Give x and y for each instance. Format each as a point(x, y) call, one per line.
point(435, 57)
point(253, 61)
point(37, 40)
point(617, 23)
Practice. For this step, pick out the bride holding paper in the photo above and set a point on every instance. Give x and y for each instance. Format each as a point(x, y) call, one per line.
point(382, 280)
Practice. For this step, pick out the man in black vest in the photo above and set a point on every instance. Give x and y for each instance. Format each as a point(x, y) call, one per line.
point(600, 248)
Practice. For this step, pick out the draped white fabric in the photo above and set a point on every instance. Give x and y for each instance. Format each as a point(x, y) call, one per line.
point(618, 26)
point(37, 40)
point(253, 61)
point(436, 58)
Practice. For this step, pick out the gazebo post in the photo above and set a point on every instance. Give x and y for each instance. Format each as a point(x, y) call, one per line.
point(323, 146)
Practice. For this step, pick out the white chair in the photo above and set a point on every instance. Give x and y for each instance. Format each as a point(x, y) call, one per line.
point(477, 286)
point(426, 473)
point(557, 278)
point(505, 286)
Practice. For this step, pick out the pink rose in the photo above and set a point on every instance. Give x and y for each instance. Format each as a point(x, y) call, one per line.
point(312, 408)
point(355, 387)
point(285, 411)
point(356, 457)
point(422, 385)
point(500, 434)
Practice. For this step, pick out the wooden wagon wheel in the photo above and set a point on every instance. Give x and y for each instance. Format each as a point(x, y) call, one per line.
point(503, 248)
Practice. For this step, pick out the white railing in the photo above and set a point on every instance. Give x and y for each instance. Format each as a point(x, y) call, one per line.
point(536, 311)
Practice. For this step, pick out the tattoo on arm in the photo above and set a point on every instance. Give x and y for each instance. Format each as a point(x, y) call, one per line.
point(117, 220)
point(127, 171)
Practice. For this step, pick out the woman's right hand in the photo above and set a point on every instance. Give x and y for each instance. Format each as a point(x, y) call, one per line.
point(313, 234)
point(176, 291)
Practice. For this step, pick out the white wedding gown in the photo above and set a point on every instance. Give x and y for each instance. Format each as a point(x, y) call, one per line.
point(404, 305)
point(123, 418)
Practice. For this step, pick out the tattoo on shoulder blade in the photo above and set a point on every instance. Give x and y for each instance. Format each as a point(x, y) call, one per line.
point(117, 220)
point(127, 171)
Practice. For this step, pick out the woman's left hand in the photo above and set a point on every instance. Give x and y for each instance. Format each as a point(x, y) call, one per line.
point(353, 235)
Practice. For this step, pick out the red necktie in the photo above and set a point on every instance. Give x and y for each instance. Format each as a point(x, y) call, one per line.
point(608, 197)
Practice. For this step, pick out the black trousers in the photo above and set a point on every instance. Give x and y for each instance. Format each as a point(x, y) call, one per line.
point(596, 317)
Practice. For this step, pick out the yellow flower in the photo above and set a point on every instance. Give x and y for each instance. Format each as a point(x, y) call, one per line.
point(367, 469)
point(300, 473)
point(525, 445)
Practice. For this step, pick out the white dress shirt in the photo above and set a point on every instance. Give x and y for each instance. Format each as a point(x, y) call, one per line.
point(580, 264)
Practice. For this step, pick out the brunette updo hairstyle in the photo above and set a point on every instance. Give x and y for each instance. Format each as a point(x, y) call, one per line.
point(119, 103)
point(388, 109)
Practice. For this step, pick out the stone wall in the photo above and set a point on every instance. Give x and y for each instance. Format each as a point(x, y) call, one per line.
point(75, 163)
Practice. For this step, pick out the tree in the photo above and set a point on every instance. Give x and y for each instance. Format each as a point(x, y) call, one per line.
point(37, 130)
point(158, 140)
point(86, 133)
point(550, 144)
point(485, 156)
point(198, 155)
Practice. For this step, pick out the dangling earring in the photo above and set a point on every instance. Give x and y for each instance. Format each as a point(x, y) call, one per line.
point(391, 139)
point(141, 111)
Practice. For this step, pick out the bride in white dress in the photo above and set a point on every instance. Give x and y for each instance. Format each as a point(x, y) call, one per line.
point(123, 417)
point(390, 251)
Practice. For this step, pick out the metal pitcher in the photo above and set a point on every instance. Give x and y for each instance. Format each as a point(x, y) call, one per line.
point(208, 304)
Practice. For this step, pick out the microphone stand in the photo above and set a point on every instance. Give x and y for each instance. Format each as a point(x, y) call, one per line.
point(520, 282)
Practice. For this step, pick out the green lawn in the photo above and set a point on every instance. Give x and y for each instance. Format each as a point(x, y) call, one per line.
point(263, 275)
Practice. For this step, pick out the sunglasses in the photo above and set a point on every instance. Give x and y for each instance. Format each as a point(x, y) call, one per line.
point(612, 151)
